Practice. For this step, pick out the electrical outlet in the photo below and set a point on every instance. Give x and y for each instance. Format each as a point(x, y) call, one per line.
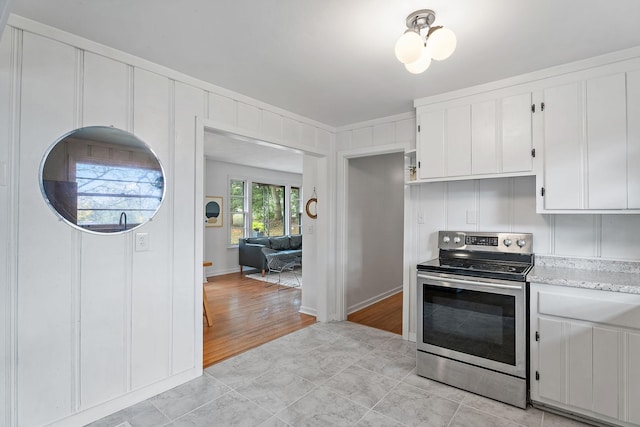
point(471, 217)
point(142, 242)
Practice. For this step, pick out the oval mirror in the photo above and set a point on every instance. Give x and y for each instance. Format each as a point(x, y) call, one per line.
point(102, 179)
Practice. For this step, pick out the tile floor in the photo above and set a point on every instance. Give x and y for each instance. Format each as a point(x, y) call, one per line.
point(329, 374)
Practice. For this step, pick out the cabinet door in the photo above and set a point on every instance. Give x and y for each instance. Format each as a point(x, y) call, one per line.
point(458, 140)
point(563, 147)
point(633, 377)
point(484, 154)
point(551, 360)
point(607, 142)
point(579, 341)
point(516, 133)
point(606, 363)
point(633, 141)
point(430, 146)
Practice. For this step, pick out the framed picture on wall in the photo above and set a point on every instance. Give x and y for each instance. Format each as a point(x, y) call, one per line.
point(213, 211)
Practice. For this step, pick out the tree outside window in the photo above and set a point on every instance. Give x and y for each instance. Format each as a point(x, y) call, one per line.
point(267, 209)
point(295, 211)
point(237, 210)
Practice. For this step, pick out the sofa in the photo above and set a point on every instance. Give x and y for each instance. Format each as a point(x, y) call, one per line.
point(250, 250)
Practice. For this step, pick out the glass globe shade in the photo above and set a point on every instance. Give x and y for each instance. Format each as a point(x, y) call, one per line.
point(409, 47)
point(442, 43)
point(421, 64)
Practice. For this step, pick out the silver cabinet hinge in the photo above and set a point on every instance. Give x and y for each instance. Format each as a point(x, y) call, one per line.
point(537, 376)
point(542, 106)
point(537, 336)
point(542, 191)
point(418, 128)
point(533, 152)
point(533, 108)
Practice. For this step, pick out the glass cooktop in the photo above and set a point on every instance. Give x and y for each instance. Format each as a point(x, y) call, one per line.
point(478, 264)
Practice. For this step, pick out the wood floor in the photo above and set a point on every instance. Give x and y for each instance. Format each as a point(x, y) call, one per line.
point(385, 315)
point(246, 314)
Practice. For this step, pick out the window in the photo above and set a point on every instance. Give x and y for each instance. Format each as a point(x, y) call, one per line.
point(295, 211)
point(237, 210)
point(106, 191)
point(259, 209)
point(267, 209)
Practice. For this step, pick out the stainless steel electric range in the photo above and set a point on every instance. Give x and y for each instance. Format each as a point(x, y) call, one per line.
point(472, 314)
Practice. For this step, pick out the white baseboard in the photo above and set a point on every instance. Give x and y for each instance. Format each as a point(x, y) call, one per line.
point(87, 416)
point(366, 303)
point(211, 273)
point(308, 310)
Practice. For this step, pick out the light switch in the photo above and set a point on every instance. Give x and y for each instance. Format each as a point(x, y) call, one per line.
point(142, 242)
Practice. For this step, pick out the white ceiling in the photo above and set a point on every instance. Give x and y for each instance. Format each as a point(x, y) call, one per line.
point(333, 60)
point(247, 152)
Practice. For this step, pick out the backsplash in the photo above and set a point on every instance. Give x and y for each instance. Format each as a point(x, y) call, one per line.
point(508, 204)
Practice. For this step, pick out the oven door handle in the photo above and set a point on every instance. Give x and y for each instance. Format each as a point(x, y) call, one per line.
point(451, 282)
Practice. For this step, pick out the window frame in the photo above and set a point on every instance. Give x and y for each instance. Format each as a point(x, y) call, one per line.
point(248, 207)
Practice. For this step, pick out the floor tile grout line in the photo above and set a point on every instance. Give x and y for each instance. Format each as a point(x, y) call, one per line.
point(454, 414)
point(198, 407)
point(493, 415)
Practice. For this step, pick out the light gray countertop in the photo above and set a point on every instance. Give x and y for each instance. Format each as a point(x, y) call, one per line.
point(615, 276)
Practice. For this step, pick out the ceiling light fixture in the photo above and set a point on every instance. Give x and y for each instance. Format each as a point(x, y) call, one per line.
point(416, 51)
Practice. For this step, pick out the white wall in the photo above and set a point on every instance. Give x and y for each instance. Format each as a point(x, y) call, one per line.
point(508, 204)
point(90, 326)
point(216, 239)
point(375, 228)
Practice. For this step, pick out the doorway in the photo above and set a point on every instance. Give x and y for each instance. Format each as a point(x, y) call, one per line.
point(371, 246)
point(235, 156)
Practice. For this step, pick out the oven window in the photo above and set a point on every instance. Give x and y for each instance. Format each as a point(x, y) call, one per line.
point(481, 324)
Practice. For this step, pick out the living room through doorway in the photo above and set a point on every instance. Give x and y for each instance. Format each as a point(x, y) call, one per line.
point(244, 312)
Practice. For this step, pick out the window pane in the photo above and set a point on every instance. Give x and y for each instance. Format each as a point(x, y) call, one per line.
point(295, 210)
point(105, 192)
point(267, 209)
point(236, 211)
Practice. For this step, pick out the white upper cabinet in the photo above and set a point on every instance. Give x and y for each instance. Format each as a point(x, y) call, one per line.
point(576, 127)
point(561, 162)
point(431, 148)
point(591, 141)
point(516, 133)
point(487, 135)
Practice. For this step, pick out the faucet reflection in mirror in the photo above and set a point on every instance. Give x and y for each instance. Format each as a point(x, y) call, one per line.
point(102, 179)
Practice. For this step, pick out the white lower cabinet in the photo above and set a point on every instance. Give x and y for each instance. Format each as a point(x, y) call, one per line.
point(585, 352)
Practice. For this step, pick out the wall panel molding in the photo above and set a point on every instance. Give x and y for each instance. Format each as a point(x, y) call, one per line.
point(90, 46)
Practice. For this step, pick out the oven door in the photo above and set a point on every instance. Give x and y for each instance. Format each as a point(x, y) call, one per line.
point(481, 322)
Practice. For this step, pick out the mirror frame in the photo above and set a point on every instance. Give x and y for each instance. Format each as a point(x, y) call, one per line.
point(61, 217)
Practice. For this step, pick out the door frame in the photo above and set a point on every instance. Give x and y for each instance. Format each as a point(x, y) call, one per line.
point(343, 158)
point(320, 229)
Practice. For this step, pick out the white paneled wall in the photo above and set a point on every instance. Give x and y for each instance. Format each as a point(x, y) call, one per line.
point(389, 130)
point(6, 272)
point(89, 325)
point(47, 313)
point(508, 204)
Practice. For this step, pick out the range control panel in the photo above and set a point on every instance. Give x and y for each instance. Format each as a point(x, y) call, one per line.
point(486, 241)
